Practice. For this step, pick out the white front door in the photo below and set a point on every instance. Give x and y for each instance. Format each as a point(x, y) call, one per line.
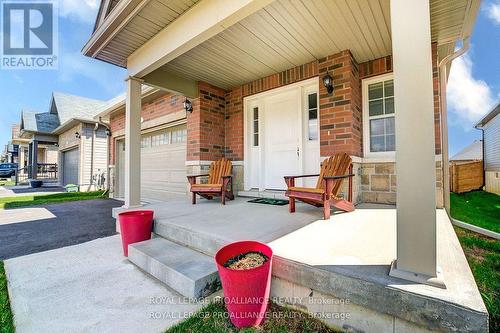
point(282, 141)
point(281, 136)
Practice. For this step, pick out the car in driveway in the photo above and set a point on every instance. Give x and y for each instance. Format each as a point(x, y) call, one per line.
point(7, 170)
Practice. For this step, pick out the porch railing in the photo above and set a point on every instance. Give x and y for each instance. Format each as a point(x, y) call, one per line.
point(44, 171)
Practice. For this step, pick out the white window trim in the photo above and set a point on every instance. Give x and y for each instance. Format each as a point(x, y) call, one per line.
point(385, 155)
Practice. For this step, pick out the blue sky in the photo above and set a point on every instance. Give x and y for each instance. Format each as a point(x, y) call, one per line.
point(474, 84)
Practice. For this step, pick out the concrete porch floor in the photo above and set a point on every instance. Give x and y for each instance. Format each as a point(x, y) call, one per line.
point(348, 256)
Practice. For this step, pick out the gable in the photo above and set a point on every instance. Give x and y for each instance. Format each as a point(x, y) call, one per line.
point(104, 9)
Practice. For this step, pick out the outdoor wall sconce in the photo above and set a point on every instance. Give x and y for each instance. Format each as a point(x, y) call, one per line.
point(328, 82)
point(78, 135)
point(188, 106)
point(107, 131)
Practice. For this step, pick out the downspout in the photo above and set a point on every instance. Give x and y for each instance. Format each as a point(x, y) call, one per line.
point(91, 181)
point(108, 145)
point(443, 75)
point(483, 160)
point(96, 127)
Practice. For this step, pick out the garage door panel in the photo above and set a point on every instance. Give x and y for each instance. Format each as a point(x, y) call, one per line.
point(163, 166)
point(71, 161)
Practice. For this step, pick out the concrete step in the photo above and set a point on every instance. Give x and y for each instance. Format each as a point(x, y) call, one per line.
point(189, 272)
point(202, 242)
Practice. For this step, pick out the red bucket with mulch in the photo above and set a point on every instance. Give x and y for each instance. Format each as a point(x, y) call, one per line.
point(135, 226)
point(246, 290)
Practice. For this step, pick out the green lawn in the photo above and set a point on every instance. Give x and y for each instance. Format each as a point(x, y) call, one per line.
point(6, 322)
point(212, 319)
point(483, 255)
point(7, 182)
point(30, 200)
point(479, 208)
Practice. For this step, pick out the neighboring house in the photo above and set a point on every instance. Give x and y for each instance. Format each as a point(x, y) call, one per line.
point(490, 125)
point(22, 147)
point(277, 86)
point(40, 146)
point(473, 152)
point(16, 150)
point(83, 142)
point(68, 136)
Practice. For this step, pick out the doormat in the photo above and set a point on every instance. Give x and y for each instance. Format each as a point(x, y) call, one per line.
point(269, 201)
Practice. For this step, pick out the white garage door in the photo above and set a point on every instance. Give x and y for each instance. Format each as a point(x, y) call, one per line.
point(71, 160)
point(163, 158)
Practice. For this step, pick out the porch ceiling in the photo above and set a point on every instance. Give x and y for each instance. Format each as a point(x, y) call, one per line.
point(130, 24)
point(284, 34)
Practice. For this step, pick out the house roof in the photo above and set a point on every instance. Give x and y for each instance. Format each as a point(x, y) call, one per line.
point(68, 107)
point(473, 151)
point(42, 122)
point(490, 115)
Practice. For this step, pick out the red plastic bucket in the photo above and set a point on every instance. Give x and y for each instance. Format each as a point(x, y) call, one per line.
point(135, 226)
point(246, 292)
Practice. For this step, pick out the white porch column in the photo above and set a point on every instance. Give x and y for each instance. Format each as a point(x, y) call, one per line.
point(133, 143)
point(415, 155)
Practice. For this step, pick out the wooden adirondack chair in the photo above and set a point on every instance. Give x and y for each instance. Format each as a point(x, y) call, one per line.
point(333, 171)
point(219, 180)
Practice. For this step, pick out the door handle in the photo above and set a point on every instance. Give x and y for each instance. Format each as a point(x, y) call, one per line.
point(298, 151)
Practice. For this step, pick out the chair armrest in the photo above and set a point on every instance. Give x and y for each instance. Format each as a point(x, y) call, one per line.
point(301, 176)
point(338, 177)
point(195, 176)
point(290, 180)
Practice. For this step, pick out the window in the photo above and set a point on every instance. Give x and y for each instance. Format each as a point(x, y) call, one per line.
point(145, 142)
point(255, 126)
point(179, 135)
point(159, 139)
point(379, 115)
point(312, 114)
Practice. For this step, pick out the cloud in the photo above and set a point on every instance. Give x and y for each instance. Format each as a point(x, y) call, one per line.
point(79, 10)
point(493, 12)
point(468, 98)
point(73, 66)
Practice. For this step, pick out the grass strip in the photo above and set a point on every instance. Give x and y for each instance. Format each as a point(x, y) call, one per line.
point(44, 199)
point(479, 208)
point(214, 319)
point(6, 318)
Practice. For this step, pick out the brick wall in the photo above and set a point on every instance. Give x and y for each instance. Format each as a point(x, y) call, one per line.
point(206, 124)
point(340, 112)
point(165, 104)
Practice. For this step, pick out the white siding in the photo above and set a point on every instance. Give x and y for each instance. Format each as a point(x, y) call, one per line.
point(100, 153)
point(492, 144)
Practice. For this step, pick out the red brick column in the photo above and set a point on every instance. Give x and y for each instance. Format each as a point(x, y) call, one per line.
point(205, 141)
point(340, 112)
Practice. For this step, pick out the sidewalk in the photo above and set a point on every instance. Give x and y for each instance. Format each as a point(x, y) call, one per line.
point(89, 287)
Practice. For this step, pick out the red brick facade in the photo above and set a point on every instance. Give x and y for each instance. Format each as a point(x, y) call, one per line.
point(340, 112)
point(215, 127)
point(206, 124)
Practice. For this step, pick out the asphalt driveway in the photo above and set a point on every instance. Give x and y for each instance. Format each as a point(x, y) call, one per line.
point(47, 227)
